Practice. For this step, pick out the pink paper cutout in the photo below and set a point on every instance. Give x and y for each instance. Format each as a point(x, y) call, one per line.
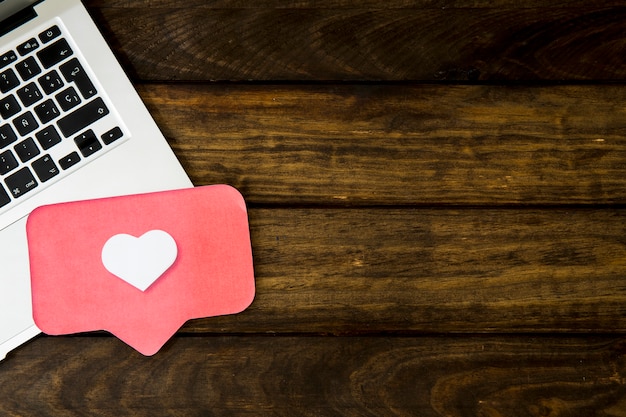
point(212, 275)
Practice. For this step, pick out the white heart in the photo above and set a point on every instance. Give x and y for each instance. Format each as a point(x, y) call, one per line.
point(140, 261)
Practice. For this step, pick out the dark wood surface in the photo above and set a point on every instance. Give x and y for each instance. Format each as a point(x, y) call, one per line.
point(437, 206)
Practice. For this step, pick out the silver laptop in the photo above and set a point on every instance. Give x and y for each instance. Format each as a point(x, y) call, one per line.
point(71, 128)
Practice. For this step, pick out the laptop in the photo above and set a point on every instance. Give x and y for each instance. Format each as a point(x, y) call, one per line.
point(72, 127)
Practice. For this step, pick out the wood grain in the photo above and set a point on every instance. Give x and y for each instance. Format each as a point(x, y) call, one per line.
point(409, 271)
point(321, 376)
point(436, 202)
point(400, 145)
point(349, 4)
point(340, 43)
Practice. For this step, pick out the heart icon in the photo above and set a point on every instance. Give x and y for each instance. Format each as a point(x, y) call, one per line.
point(140, 261)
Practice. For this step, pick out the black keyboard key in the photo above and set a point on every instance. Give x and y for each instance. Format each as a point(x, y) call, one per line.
point(25, 123)
point(74, 72)
point(7, 136)
point(68, 99)
point(8, 81)
point(52, 33)
point(7, 59)
point(29, 94)
point(4, 197)
point(9, 107)
point(45, 168)
point(28, 68)
point(69, 161)
point(48, 137)
point(28, 47)
point(51, 82)
point(112, 135)
point(7, 162)
point(26, 150)
point(55, 53)
point(82, 117)
point(47, 111)
point(87, 143)
point(21, 182)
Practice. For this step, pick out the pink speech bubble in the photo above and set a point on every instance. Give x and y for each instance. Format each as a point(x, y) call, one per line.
point(76, 288)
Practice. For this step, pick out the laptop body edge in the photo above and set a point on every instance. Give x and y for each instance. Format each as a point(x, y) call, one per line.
point(143, 163)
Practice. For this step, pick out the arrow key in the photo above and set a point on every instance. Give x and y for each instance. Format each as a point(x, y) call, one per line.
point(69, 161)
point(87, 143)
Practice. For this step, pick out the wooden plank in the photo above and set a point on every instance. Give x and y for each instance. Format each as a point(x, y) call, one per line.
point(292, 376)
point(369, 271)
point(367, 43)
point(409, 145)
point(352, 4)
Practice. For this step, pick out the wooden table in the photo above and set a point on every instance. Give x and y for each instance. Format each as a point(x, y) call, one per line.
point(436, 196)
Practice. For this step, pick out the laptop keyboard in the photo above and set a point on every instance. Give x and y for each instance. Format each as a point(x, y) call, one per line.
point(53, 118)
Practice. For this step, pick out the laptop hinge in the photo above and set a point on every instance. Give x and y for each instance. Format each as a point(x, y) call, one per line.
point(17, 19)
